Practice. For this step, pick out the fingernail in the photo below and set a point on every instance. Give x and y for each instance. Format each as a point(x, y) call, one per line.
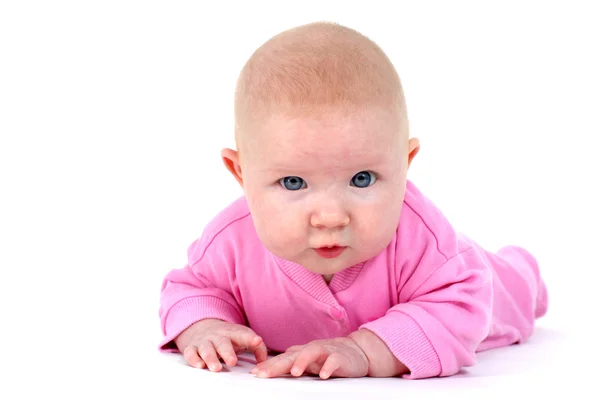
point(295, 371)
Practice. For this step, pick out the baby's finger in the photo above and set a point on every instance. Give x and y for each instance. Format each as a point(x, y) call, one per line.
point(295, 348)
point(207, 351)
point(190, 354)
point(248, 340)
point(225, 350)
point(313, 368)
point(259, 349)
point(308, 355)
point(276, 366)
point(332, 364)
point(243, 338)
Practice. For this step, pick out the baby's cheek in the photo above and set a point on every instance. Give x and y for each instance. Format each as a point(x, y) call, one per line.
point(281, 224)
point(376, 223)
point(290, 227)
point(371, 217)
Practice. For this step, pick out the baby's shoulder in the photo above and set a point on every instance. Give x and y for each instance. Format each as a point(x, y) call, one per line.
point(233, 212)
point(230, 224)
point(423, 222)
point(420, 207)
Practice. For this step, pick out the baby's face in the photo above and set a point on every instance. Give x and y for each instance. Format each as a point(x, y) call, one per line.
point(337, 181)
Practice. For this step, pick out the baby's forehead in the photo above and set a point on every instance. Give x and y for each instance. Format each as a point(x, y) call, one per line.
point(353, 128)
point(308, 146)
point(316, 161)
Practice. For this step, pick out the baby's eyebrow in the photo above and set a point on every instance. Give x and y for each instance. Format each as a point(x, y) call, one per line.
point(286, 169)
point(307, 170)
point(296, 165)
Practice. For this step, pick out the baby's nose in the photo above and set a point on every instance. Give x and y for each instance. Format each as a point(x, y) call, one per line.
point(328, 219)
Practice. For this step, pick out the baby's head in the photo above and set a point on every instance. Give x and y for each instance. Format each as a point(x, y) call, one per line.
point(322, 145)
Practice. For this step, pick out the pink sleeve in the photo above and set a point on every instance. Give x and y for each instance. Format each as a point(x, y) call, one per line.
point(200, 290)
point(436, 331)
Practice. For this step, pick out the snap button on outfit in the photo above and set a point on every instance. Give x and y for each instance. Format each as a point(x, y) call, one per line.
point(336, 314)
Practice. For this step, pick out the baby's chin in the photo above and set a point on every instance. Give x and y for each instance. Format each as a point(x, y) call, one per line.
point(314, 262)
point(327, 266)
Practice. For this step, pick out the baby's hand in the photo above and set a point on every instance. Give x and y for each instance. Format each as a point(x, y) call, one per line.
point(340, 357)
point(205, 341)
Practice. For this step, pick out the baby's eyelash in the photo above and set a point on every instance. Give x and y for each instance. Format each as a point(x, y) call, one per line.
point(279, 180)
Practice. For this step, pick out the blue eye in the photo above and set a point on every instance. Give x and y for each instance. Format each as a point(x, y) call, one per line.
point(291, 182)
point(363, 179)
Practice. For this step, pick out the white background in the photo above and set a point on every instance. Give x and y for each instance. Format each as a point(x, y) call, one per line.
point(112, 116)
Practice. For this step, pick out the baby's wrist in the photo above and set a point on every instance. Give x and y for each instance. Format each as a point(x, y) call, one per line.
point(184, 338)
point(362, 339)
point(382, 362)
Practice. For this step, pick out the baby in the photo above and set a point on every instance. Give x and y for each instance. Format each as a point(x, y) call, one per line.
point(333, 260)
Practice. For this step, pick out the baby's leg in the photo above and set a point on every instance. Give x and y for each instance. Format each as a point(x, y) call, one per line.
point(520, 297)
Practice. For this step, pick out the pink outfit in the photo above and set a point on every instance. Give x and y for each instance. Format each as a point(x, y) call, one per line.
point(432, 295)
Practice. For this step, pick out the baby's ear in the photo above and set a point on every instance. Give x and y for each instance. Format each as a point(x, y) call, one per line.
point(232, 163)
point(413, 148)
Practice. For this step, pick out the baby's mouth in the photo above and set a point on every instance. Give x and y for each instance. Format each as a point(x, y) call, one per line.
point(330, 252)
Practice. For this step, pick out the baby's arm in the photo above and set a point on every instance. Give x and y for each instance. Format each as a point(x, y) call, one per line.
point(436, 329)
point(382, 362)
point(200, 290)
point(200, 312)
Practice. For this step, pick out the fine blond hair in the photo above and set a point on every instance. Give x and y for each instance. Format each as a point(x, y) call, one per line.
point(314, 69)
